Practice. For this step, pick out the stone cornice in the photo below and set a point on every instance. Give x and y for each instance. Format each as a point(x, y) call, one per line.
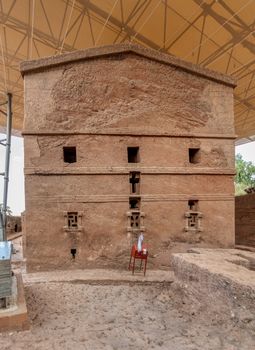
point(124, 198)
point(191, 170)
point(129, 133)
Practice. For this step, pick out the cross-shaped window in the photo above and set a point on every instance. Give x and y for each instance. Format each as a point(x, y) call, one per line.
point(134, 179)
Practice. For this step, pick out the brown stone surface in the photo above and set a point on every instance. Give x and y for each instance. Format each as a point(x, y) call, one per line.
point(129, 95)
point(102, 106)
point(15, 318)
point(116, 51)
point(24, 238)
point(245, 220)
point(221, 280)
point(46, 153)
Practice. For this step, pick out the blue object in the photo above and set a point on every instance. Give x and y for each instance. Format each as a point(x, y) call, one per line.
point(5, 250)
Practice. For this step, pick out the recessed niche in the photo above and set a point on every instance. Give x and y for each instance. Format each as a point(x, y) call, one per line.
point(73, 252)
point(194, 155)
point(133, 154)
point(134, 203)
point(69, 154)
point(193, 205)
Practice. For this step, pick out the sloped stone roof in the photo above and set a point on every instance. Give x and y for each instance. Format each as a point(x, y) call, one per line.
point(34, 66)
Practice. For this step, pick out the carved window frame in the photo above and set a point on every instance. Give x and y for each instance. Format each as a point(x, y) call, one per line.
point(188, 215)
point(79, 227)
point(141, 227)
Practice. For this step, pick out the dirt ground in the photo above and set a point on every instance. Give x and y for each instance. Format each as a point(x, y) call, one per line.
point(77, 315)
point(110, 309)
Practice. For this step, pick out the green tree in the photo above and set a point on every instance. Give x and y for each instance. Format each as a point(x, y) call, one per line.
point(245, 174)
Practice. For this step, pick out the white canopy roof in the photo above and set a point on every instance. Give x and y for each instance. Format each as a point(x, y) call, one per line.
point(216, 34)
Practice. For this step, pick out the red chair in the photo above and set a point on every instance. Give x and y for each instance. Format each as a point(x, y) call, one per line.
point(143, 255)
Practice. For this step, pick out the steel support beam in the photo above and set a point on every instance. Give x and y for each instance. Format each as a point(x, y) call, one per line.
point(3, 212)
point(117, 23)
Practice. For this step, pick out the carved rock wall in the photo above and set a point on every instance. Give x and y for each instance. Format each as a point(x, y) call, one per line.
point(245, 220)
point(102, 106)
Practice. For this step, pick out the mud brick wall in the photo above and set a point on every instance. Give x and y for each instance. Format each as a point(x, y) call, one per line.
point(101, 106)
point(245, 220)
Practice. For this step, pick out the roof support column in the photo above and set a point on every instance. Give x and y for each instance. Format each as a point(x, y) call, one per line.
point(3, 211)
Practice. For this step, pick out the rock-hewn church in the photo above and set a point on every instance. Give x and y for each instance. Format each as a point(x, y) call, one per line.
point(122, 139)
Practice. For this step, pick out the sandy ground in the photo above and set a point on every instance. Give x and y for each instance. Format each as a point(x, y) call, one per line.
point(77, 315)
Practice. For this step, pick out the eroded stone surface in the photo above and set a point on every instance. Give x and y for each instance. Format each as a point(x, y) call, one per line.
point(245, 220)
point(221, 280)
point(102, 106)
point(131, 94)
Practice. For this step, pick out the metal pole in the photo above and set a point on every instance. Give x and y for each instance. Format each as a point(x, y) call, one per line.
point(7, 166)
point(1, 226)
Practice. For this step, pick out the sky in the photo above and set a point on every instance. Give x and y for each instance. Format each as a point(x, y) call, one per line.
point(247, 151)
point(16, 197)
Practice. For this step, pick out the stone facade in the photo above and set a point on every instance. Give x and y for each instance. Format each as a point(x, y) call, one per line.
point(245, 220)
point(122, 139)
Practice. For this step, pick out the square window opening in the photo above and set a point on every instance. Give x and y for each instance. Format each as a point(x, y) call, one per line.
point(133, 155)
point(194, 155)
point(134, 203)
point(193, 205)
point(69, 154)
